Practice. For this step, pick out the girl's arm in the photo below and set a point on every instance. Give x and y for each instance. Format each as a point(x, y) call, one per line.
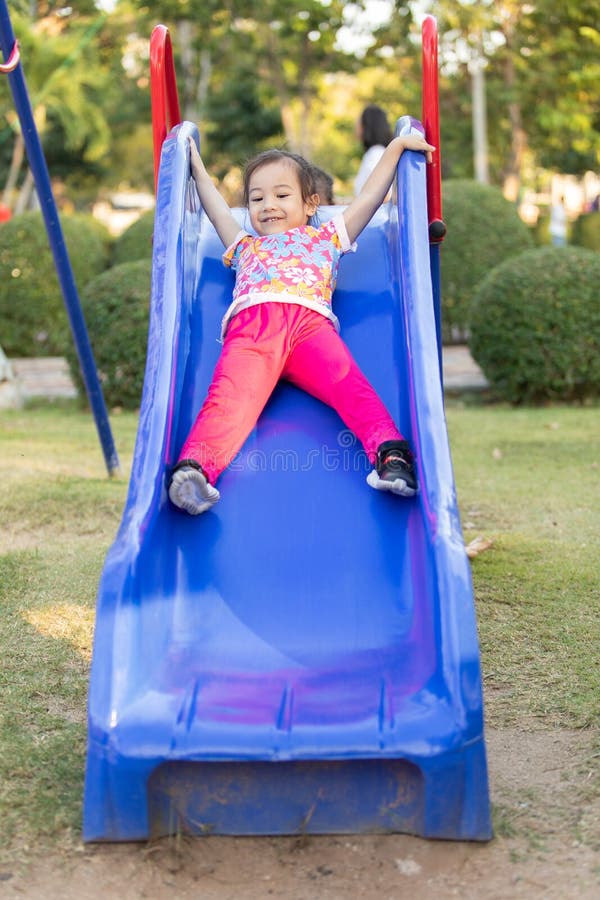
point(214, 204)
point(372, 195)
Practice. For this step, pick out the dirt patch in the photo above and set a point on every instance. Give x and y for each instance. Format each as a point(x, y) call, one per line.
point(547, 845)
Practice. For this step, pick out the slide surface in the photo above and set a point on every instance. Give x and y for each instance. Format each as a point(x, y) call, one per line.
point(304, 656)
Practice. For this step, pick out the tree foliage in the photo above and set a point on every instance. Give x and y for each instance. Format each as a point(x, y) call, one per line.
point(258, 64)
point(560, 84)
point(78, 90)
point(541, 69)
point(279, 72)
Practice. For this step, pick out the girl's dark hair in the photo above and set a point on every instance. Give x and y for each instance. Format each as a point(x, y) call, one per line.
point(302, 166)
point(323, 186)
point(375, 127)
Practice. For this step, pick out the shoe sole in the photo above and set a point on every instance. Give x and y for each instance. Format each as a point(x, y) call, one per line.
point(398, 486)
point(190, 491)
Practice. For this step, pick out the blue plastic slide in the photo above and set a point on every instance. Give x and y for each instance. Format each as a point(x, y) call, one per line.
point(303, 657)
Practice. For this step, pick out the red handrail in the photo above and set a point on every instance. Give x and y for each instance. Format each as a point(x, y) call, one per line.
point(163, 91)
point(431, 121)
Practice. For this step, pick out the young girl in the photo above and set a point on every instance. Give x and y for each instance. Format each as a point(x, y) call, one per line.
point(281, 324)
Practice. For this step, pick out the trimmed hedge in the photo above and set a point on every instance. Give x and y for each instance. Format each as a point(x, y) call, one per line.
point(586, 231)
point(483, 230)
point(32, 310)
point(535, 326)
point(136, 241)
point(116, 309)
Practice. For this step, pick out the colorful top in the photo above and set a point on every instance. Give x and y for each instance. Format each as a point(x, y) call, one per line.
point(296, 266)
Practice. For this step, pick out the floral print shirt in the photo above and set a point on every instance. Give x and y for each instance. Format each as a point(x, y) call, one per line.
point(296, 266)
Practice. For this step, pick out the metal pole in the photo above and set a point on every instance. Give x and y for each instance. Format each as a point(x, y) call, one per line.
point(39, 169)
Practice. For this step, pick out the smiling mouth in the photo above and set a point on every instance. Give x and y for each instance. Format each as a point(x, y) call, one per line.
point(271, 219)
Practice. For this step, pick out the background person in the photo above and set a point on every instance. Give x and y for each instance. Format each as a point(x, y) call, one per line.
point(374, 132)
point(558, 223)
point(323, 186)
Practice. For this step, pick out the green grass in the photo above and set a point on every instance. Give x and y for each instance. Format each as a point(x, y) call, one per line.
point(528, 479)
point(59, 513)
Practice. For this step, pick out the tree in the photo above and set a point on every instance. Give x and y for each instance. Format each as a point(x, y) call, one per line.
point(66, 85)
point(272, 52)
point(541, 74)
point(560, 84)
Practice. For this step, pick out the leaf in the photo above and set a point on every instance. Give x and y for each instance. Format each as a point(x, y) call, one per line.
point(478, 545)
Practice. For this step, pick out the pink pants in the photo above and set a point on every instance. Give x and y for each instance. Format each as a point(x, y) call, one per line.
point(265, 343)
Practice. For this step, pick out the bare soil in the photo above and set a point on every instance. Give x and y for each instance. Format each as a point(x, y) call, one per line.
point(547, 845)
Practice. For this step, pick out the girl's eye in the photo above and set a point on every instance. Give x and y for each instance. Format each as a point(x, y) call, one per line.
point(282, 196)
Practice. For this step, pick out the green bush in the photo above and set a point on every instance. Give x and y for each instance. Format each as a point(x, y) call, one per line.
point(136, 241)
point(32, 309)
point(535, 326)
point(586, 231)
point(483, 230)
point(541, 230)
point(116, 307)
point(100, 229)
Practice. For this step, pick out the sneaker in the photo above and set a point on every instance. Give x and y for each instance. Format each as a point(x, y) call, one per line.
point(190, 489)
point(394, 469)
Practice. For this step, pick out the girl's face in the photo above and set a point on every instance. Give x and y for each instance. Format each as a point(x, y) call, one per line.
point(275, 201)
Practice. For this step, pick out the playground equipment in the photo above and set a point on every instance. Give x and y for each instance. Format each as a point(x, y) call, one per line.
point(35, 154)
point(431, 121)
point(303, 658)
